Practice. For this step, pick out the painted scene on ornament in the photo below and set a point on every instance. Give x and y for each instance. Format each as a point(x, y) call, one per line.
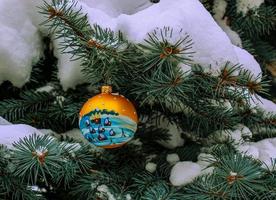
point(107, 128)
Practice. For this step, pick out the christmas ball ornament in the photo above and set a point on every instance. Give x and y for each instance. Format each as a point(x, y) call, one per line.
point(108, 120)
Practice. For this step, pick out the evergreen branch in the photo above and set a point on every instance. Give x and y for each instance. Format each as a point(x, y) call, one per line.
point(161, 87)
point(160, 47)
point(257, 22)
point(87, 186)
point(161, 191)
point(238, 173)
point(234, 177)
point(142, 181)
point(205, 187)
point(81, 156)
point(100, 49)
point(36, 157)
point(265, 50)
point(30, 101)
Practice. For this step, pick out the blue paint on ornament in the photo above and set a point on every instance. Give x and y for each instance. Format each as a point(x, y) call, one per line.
point(107, 130)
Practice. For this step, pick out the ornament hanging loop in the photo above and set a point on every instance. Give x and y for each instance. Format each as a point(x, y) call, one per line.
point(106, 89)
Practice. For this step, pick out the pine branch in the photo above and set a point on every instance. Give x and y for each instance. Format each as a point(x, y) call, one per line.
point(257, 22)
point(160, 48)
point(30, 101)
point(238, 174)
point(161, 191)
point(235, 176)
point(205, 188)
point(100, 49)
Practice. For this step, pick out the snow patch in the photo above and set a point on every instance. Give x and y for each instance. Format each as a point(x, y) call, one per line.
point(265, 105)
point(245, 131)
point(20, 43)
point(69, 71)
point(249, 63)
point(244, 6)
point(136, 22)
point(135, 19)
point(184, 172)
point(219, 9)
point(151, 167)
point(264, 150)
point(10, 134)
point(249, 150)
point(115, 8)
point(4, 122)
point(104, 189)
point(172, 158)
point(46, 88)
point(204, 159)
point(128, 197)
point(237, 136)
point(186, 69)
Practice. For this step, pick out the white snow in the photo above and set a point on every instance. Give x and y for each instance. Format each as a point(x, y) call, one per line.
point(184, 172)
point(264, 150)
point(245, 59)
point(256, 101)
point(172, 158)
point(4, 122)
point(249, 63)
point(204, 160)
point(59, 100)
point(219, 136)
point(13, 133)
point(128, 197)
point(245, 5)
point(222, 103)
point(94, 185)
point(233, 173)
point(206, 35)
point(249, 150)
point(69, 71)
point(32, 9)
point(186, 69)
point(237, 136)
point(77, 135)
point(116, 7)
point(41, 150)
point(219, 9)
point(245, 131)
point(151, 167)
point(46, 88)
point(20, 43)
point(141, 17)
point(265, 105)
point(135, 19)
point(105, 190)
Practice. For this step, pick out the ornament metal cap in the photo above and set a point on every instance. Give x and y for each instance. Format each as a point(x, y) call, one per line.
point(106, 89)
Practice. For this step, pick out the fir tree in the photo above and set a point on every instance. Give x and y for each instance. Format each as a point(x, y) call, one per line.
point(46, 167)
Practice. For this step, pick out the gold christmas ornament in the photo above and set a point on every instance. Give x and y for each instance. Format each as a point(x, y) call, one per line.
point(108, 120)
